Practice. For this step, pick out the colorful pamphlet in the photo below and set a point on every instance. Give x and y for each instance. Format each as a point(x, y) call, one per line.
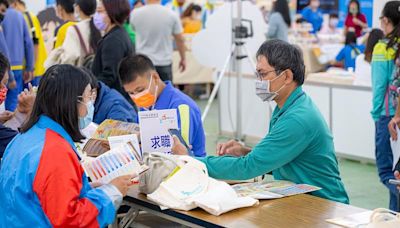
point(124, 160)
point(272, 190)
point(115, 128)
point(108, 135)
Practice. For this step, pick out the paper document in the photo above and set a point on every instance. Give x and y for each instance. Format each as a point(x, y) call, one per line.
point(117, 141)
point(154, 126)
point(395, 148)
point(272, 190)
point(123, 160)
point(355, 220)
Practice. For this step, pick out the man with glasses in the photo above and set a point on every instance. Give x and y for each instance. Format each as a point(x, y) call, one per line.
point(299, 146)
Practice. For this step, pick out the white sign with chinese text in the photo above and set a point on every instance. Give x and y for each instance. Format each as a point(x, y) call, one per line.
point(154, 127)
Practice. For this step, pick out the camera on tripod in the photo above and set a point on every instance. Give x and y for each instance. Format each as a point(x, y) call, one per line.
point(244, 30)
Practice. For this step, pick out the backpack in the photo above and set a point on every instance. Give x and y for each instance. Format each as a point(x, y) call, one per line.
point(87, 59)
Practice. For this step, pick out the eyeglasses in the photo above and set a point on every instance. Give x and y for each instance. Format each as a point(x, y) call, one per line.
point(263, 75)
point(91, 97)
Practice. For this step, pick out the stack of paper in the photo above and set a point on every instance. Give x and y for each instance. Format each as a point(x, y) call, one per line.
point(272, 190)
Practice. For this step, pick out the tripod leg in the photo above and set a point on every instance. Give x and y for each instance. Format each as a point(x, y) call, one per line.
point(218, 83)
point(249, 57)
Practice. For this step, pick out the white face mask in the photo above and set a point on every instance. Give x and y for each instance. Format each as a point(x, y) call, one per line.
point(263, 89)
point(334, 22)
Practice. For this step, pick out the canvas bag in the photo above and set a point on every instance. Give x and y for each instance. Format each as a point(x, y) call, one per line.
point(191, 187)
point(384, 218)
point(160, 167)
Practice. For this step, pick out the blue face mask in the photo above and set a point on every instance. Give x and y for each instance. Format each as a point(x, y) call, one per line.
point(86, 120)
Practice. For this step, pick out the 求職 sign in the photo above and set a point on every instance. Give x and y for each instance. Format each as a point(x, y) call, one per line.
point(154, 127)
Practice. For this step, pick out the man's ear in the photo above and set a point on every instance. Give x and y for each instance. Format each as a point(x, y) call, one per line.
point(288, 74)
point(156, 77)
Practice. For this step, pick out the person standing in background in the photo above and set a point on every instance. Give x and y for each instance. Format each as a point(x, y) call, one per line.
point(208, 10)
point(40, 53)
point(383, 66)
point(355, 20)
point(65, 11)
point(313, 15)
point(178, 6)
point(191, 19)
point(332, 26)
point(279, 21)
point(363, 61)
point(20, 47)
point(82, 38)
point(153, 37)
point(4, 49)
point(115, 44)
point(128, 28)
point(349, 52)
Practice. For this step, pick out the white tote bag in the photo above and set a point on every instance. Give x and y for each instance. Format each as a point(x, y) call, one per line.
point(189, 181)
point(191, 187)
point(384, 218)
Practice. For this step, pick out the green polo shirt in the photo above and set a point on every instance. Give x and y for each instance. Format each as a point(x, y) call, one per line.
point(299, 148)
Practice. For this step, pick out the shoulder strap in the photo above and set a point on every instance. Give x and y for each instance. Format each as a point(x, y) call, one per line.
point(83, 45)
point(29, 19)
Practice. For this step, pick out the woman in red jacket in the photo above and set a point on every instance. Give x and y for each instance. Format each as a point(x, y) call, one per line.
point(42, 183)
point(355, 20)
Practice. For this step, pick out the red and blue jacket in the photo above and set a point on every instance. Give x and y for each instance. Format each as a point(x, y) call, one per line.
point(42, 183)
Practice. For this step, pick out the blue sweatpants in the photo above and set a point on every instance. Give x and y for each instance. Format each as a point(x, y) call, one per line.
point(384, 158)
point(12, 94)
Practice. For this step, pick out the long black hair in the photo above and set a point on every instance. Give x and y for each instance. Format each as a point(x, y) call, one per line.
point(58, 96)
point(282, 7)
point(391, 11)
point(88, 7)
point(374, 36)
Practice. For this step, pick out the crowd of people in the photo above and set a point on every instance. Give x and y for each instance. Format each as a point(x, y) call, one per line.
point(111, 60)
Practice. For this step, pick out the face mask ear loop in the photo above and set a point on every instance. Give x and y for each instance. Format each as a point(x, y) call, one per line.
point(155, 95)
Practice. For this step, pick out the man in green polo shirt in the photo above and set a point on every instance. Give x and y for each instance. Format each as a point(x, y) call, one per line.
point(299, 146)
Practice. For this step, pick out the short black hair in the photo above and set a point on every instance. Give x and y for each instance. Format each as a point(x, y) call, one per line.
point(57, 97)
point(88, 7)
point(4, 2)
point(4, 65)
point(21, 2)
point(333, 15)
point(351, 38)
point(282, 56)
point(133, 66)
point(117, 10)
point(67, 5)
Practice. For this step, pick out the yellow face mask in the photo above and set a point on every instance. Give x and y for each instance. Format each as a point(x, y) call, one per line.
point(145, 99)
